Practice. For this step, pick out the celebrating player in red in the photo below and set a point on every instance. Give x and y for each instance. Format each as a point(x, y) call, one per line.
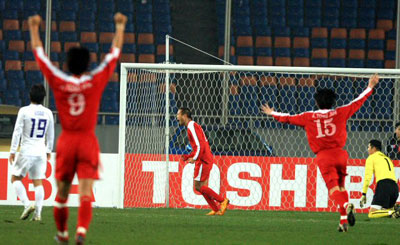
point(77, 99)
point(326, 134)
point(203, 159)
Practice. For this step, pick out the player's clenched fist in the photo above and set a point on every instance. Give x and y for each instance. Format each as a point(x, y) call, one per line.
point(120, 18)
point(373, 81)
point(34, 20)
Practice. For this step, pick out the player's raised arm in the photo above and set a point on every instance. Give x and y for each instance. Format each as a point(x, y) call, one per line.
point(105, 70)
point(355, 105)
point(34, 23)
point(45, 65)
point(297, 119)
point(120, 22)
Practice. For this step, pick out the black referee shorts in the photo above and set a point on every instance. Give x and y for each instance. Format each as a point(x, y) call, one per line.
point(386, 193)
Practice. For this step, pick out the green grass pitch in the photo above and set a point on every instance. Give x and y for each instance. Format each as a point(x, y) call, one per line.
point(189, 226)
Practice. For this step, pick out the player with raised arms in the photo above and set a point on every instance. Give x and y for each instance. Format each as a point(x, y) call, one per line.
point(327, 134)
point(77, 98)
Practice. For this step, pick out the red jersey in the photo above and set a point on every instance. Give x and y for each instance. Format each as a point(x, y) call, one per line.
point(77, 98)
point(199, 142)
point(325, 129)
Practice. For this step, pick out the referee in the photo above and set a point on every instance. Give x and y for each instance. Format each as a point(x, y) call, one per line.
point(387, 191)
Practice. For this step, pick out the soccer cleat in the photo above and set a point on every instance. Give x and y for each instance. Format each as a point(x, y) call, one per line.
point(350, 214)
point(36, 218)
point(396, 207)
point(396, 213)
point(61, 240)
point(80, 239)
point(224, 206)
point(27, 211)
point(343, 227)
point(211, 213)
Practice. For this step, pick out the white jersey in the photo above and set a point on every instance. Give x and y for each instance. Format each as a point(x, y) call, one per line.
point(35, 129)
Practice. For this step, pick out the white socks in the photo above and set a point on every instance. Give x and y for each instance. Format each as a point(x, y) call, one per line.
point(39, 196)
point(21, 192)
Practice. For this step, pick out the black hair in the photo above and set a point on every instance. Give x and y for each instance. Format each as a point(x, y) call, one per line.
point(377, 144)
point(325, 98)
point(397, 124)
point(186, 111)
point(37, 93)
point(78, 59)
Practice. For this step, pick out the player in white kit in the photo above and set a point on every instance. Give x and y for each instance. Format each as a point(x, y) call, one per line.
point(34, 133)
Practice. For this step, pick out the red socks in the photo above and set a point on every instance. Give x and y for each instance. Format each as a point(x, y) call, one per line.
point(346, 198)
point(211, 202)
point(61, 215)
point(84, 215)
point(343, 215)
point(209, 192)
point(210, 196)
point(341, 198)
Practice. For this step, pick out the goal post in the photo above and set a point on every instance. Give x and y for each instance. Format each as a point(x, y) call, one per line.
point(260, 164)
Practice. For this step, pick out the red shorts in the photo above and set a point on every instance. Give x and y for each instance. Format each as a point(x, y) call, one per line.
point(202, 170)
point(77, 153)
point(333, 163)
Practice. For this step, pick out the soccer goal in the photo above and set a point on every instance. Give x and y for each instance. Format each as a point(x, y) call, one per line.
point(260, 164)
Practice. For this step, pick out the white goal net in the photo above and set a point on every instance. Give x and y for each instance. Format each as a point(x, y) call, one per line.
point(259, 163)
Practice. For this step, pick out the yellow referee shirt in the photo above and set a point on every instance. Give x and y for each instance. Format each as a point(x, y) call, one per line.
point(379, 165)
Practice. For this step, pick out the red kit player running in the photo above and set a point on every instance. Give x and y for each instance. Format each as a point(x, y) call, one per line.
point(203, 159)
point(77, 99)
point(326, 134)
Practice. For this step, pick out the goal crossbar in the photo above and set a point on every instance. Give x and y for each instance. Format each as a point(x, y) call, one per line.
point(278, 69)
